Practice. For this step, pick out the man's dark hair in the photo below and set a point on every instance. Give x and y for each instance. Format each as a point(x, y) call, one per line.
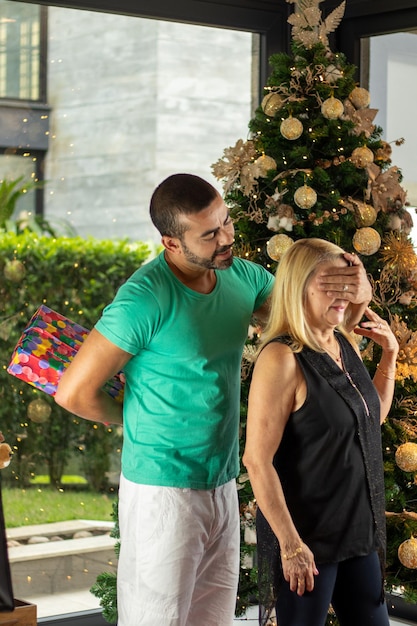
point(179, 194)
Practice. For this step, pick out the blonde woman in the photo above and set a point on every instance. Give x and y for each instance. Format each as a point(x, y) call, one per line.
point(313, 449)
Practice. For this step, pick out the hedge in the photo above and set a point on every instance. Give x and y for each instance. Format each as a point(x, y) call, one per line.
point(76, 277)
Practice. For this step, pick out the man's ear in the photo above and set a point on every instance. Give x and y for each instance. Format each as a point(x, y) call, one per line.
point(172, 244)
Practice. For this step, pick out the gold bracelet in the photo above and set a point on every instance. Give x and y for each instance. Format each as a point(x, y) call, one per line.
point(293, 554)
point(385, 373)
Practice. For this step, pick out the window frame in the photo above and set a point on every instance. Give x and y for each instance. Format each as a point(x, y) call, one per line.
point(14, 110)
point(43, 13)
point(268, 18)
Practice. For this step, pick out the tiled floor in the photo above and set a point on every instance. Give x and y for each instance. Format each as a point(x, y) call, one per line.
point(83, 600)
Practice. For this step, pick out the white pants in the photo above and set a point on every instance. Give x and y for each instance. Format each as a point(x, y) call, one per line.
point(179, 556)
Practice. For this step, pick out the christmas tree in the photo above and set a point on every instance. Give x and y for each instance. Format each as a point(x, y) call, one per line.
point(315, 165)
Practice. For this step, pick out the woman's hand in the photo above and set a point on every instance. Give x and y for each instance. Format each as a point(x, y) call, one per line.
point(299, 569)
point(379, 331)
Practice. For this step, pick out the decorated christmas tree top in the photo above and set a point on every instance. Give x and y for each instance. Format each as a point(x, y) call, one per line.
point(314, 165)
point(314, 155)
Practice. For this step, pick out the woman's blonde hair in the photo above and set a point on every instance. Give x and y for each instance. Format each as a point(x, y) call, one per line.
point(287, 315)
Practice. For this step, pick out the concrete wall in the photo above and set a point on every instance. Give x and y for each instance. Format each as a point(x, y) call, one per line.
point(134, 101)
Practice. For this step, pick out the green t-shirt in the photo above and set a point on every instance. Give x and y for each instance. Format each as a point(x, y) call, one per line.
point(182, 395)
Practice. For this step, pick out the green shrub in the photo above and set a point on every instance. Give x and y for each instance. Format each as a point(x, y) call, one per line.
point(76, 277)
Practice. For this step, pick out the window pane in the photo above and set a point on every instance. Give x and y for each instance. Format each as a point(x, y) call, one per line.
point(134, 100)
point(19, 50)
point(393, 88)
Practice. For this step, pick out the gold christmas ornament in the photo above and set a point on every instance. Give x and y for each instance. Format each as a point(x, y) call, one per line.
point(332, 108)
point(398, 253)
point(14, 271)
point(277, 245)
point(384, 152)
point(365, 214)
point(407, 341)
point(264, 164)
point(291, 128)
point(271, 103)
point(362, 157)
point(305, 197)
point(360, 97)
point(230, 166)
point(39, 411)
point(406, 457)
point(407, 553)
point(366, 241)
point(308, 26)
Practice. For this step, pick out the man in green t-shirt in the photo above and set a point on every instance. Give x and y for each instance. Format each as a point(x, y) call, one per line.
point(177, 329)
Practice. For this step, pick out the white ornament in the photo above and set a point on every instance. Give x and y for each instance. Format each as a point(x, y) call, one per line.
point(250, 536)
point(332, 74)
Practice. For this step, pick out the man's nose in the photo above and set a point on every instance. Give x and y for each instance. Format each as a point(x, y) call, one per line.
point(226, 236)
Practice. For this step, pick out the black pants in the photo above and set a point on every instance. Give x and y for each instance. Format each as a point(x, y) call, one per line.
point(353, 587)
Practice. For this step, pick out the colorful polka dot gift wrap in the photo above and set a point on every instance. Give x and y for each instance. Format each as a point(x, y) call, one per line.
point(46, 347)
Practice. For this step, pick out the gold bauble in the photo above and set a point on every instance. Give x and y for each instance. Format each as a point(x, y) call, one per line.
point(407, 553)
point(264, 164)
point(332, 108)
point(360, 97)
point(14, 271)
point(305, 197)
point(366, 241)
point(362, 157)
point(291, 128)
point(271, 103)
point(406, 457)
point(365, 214)
point(39, 411)
point(277, 245)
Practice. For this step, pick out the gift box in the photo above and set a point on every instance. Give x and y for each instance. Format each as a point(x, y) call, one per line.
point(47, 346)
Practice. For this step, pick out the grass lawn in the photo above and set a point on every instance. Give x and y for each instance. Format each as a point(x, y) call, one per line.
point(41, 505)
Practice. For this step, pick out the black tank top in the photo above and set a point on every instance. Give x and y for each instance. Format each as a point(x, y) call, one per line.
point(321, 467)
point(330, 465)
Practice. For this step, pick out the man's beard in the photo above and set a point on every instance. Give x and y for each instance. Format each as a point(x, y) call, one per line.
point(208, 264)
